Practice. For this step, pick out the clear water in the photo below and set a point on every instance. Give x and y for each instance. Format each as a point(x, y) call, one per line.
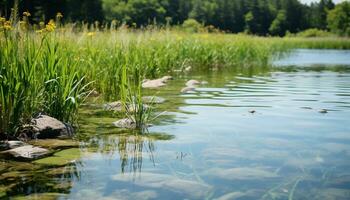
point(210, 146)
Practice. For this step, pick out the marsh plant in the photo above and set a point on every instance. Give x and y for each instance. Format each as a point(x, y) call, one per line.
point(37, 75)
point(131, 96)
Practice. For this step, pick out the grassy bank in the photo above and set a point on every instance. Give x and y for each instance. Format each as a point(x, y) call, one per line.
point(53, 70)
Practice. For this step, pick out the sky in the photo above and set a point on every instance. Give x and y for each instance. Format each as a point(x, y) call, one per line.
point(309, 1)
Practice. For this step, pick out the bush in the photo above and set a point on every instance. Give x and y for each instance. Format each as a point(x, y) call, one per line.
point(314, 32)
point(192, 26)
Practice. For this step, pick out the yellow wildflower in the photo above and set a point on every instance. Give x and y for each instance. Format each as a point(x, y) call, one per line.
point(7, 25)
point(179, 38)
point(2, 19)
point(27, 14)
point(91, 34)
point(50, 27)
point(59, 15)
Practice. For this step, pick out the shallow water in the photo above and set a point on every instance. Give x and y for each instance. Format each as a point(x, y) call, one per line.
point(209, 146)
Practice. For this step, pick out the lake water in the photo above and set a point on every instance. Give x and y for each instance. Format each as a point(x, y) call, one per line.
point(209, 144)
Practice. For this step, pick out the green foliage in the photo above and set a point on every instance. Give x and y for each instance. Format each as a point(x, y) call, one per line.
point(192, 26)
point(249, 21)
point(314, 32)
point(140, 12)
point(278, 25)
point(339, 19)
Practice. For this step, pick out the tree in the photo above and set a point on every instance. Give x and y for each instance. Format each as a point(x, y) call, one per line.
point(203, 11)
point(278, 26)
point(339, 19)
point(249, 22)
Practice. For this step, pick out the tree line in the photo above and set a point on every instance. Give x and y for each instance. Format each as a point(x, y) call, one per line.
point(260, 17)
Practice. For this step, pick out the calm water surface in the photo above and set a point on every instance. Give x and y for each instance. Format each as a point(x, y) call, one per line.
point(209, 146)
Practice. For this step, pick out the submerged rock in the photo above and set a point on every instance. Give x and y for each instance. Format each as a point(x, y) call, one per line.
point(55, 143)
point(61, 158)
point(125, 123)
point(156, 83)
point(118, 106)
point(243, 173)
point(250, 194)
point(191, 188)
point(113, 106)
point(27, 152)
point(46, 127)
point(153, 100)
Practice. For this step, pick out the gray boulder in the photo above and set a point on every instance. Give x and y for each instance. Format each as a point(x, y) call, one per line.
point(192, 83)
point(14, 144)
point(114, 106)
point(46, 127)
point(118, 106)
point(156, 83)
point(6, 145)
point(27, 152)
point(125, 123)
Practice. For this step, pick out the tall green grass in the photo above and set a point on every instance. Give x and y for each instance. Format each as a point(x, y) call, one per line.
point(53, 71)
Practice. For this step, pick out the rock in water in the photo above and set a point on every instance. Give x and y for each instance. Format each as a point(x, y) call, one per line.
point(153, 100)
point(167, 78)
point(119, 107)
point(323, 111)
point(156, 83)
point(125, 123)
point(114, 106)
point(187, 89)
point(15, 144)
point(153, 83)
point(27, 152)
point(192, 83)
point(46, 127)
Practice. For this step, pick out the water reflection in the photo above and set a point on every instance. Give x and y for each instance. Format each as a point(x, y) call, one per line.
point(131, 147)
point(27, 179)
